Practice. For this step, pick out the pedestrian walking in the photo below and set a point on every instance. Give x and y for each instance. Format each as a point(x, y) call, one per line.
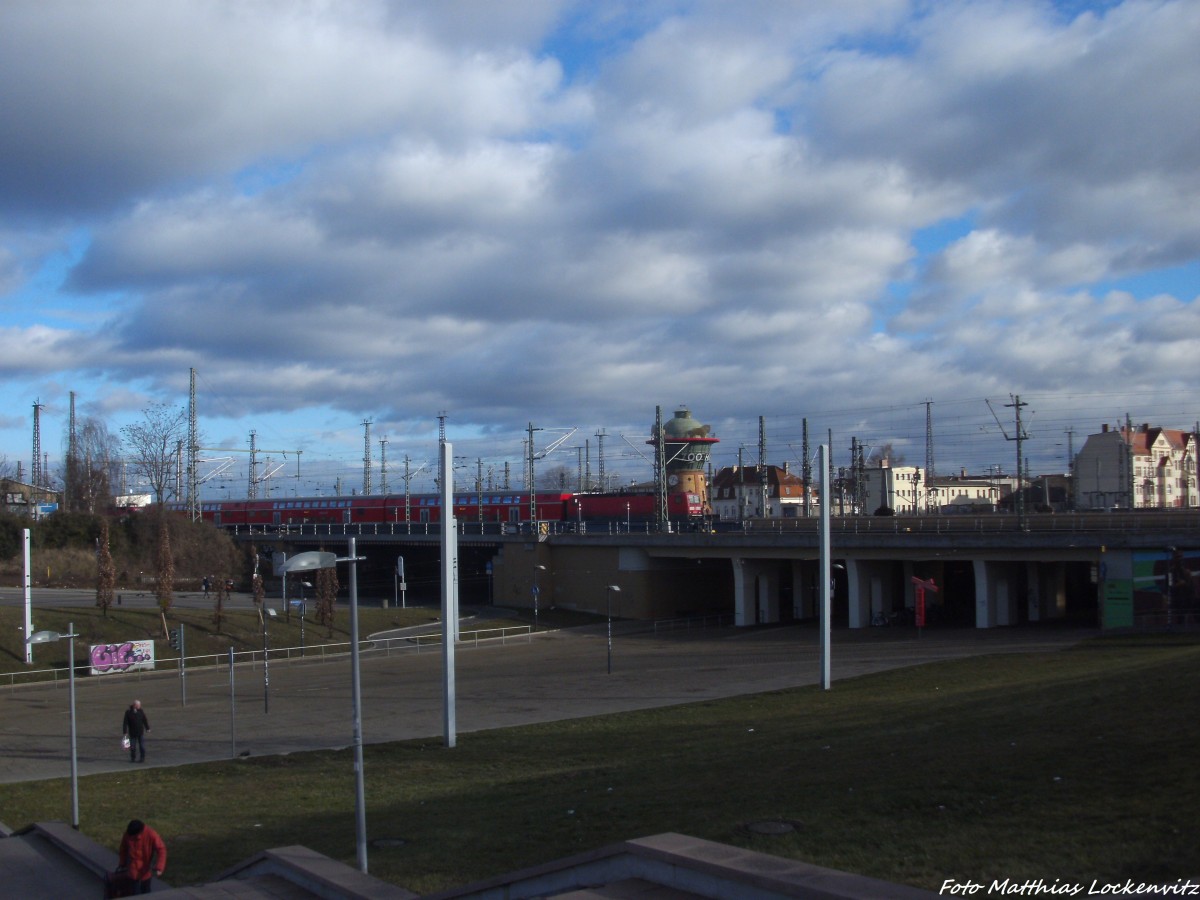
point(142, 855)
point(135, 727)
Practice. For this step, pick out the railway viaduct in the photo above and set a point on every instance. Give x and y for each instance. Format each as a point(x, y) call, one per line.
point(1114, 570)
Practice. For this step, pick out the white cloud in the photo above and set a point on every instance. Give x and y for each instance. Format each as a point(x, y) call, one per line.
point(565, 211)
point(126, 98)
point(1067, 129)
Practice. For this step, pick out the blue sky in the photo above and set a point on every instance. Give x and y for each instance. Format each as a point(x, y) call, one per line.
point(570, 213)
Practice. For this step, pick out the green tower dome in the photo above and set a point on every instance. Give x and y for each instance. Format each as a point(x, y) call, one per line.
point(684, 426)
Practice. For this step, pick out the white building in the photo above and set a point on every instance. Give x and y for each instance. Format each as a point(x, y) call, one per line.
point(901, 489)
point(741, 492)
point(1138, 468)
point(965, 493)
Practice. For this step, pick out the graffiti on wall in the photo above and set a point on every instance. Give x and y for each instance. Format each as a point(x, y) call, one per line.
point(1166, 581)
point(108, 659)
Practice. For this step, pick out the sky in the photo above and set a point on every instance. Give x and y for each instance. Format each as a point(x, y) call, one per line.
point(862, 216)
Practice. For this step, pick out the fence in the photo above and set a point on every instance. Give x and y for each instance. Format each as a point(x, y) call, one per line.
point(1155, 521)
point(1148, 520)
point(315, 654)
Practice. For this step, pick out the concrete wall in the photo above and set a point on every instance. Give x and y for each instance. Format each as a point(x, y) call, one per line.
point(577, 577)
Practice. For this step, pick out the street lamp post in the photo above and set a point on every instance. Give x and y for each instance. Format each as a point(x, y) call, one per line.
point(45, 637)
point(321, 559)
point(303, 612)
point(608, 593)
point(360, 798)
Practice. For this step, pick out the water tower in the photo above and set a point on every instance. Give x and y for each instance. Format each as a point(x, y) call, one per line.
point(686, 448)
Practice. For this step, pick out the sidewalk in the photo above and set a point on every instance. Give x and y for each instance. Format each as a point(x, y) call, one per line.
point(555, 675)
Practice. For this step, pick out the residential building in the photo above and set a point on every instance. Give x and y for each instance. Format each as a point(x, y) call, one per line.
point(963, 493)
point(902, 489)
point(742, 492)
point(1140, 467)
point(21, 499)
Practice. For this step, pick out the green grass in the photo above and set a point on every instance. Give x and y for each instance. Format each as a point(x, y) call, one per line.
point(240, 629)
point(1073, 765)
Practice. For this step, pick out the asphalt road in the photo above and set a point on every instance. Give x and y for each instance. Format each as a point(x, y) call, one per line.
point(548, 677)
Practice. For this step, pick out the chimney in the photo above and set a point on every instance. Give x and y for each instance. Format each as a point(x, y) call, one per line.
point(1104, 428)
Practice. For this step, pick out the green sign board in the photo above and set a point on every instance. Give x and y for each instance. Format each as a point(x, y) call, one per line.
point(1118, 603)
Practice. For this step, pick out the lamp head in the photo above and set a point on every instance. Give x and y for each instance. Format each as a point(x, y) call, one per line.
point(46, 637)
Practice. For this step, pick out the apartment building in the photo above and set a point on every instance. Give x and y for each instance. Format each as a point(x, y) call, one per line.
point(1140, 467)
point(902, 489)
point(747, 492)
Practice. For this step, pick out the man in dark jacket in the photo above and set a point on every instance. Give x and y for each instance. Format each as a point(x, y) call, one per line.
point(136, 726)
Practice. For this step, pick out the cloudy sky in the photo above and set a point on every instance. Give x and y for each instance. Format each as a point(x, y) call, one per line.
point(569, 213)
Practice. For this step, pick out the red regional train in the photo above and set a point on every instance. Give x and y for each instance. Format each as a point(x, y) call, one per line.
point(495, 507)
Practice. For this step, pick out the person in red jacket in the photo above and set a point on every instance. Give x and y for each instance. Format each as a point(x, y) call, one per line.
point(142, 855)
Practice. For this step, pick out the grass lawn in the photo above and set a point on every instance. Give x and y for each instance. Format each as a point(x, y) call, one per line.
point(1074, 765)
point(240, 629)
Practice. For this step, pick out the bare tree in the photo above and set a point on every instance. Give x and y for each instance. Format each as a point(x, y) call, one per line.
point(259, 593)
point(885, 452)
point(222, 597)
point(327, 588)
point(100, 454)
point(90, 468)
point(106, 572)
point(557, 478)
point(153, 442)
point(164, 585)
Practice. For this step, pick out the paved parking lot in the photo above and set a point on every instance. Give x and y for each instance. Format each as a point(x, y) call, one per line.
point(552, 676)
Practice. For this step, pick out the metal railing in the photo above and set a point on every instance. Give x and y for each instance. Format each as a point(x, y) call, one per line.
point(316, 654)
point(1144, 521)
point(434, 529)
point(1155, 521)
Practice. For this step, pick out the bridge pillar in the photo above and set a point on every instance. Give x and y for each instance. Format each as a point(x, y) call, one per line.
point(858, 591)
point(985, 614)
point(1033, 592)
point(997, 587)
point(804, 589)
point(768, 594)
point(1047, 590)
point(755, 591)
point(743, 610)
